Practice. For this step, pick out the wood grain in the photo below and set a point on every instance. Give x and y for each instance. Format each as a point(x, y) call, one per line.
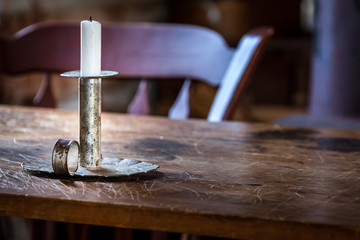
point(229, 179)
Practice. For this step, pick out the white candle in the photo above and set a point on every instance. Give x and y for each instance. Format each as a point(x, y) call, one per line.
point(90, 63)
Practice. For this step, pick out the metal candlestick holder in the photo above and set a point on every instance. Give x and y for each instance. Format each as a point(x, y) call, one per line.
point(85, 158)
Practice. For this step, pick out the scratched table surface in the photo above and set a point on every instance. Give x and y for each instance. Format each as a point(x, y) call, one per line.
point(230, 179)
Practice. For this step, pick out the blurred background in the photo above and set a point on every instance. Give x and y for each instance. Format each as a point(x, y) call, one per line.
point(279, 87)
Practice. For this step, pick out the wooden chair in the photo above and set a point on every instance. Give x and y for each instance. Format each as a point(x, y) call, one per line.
point(146, 51)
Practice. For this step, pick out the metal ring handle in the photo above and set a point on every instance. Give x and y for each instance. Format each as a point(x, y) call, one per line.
point(65, 157)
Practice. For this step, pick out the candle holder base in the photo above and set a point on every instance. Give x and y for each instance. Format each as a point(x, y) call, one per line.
point(110, 167)
point(84, 160)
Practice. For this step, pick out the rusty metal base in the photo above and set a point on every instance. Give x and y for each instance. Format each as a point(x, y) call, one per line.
point(110, 167)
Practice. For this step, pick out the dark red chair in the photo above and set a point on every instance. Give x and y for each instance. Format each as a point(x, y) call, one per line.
point(146, 51)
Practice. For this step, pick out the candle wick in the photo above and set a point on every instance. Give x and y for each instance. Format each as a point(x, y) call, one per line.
point(90, 19)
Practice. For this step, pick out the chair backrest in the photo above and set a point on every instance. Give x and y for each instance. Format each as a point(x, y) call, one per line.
point(144, 50)
point(238, 74)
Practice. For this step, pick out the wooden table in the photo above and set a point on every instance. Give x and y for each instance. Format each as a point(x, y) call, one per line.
point(230, 179)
